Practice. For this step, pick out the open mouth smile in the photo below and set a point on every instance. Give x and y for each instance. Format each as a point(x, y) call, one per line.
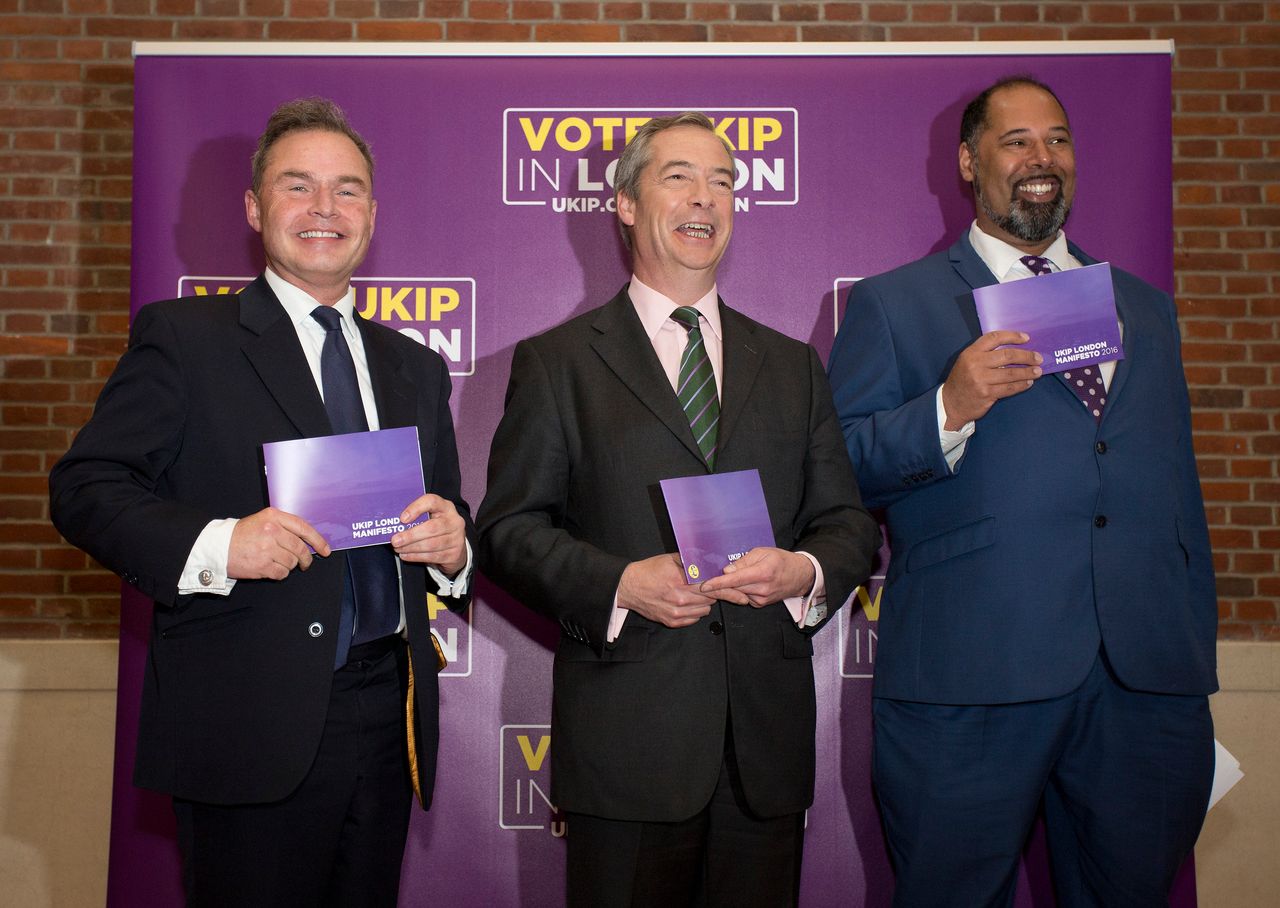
point(1039, 189)
point(697, 230)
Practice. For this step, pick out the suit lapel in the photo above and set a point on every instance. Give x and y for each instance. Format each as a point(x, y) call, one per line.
point(974, 272)
point(389, 379)
point(742, 361)
point(627, 351)
point(1061, 376)
point(1131, 341)
point(277, 357)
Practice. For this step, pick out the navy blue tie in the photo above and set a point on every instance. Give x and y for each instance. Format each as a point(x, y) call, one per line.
point(371, 597)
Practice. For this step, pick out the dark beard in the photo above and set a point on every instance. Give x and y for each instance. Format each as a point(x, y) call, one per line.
point(1031, 222)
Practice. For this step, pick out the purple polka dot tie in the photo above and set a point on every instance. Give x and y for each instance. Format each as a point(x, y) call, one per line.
point(1037, 265)
point(1085, 382)
point(1087, 385)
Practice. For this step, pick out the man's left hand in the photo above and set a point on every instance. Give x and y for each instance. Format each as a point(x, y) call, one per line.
point(761, 577)
point(440, 541)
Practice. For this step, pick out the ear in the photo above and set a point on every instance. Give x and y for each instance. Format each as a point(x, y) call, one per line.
point(966, 163)
point(373, 216)
point(626, 209)
point(251, 212)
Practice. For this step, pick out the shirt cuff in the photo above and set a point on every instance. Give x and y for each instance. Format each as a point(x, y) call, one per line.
point(810, 610)
point(206, 567)
point(458, 586)
point(953, 443)
point(616, 619)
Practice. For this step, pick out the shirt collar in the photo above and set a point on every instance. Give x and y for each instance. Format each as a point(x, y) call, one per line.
point(655, 309)
point(299, 304)
point(999, 256)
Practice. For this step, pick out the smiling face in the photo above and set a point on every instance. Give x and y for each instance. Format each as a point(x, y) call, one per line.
point(1023, 170)
point(682, 216)
point(315, 211)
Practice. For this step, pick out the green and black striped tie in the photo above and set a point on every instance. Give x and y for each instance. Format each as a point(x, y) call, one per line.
point(696, 386)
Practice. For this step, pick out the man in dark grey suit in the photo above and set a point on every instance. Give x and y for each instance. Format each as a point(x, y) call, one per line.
point(274, 701)
point(683, 715)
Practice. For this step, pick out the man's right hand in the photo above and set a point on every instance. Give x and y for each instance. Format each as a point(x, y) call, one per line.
point(271, 543)
point(983, 374)
point(655, 588)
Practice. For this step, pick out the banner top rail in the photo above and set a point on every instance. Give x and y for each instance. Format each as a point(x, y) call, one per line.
point(633, 49)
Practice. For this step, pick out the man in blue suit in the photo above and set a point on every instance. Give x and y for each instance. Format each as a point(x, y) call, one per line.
point(1047, 638)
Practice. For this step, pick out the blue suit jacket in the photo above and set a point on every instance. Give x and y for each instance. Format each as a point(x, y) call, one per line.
point(1055, 534)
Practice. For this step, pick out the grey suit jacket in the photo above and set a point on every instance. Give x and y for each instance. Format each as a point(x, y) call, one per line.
point(591, 426)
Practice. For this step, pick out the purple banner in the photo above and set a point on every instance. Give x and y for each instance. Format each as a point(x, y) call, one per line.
point(492, 180)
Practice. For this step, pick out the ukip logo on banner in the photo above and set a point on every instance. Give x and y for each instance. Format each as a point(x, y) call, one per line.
point(453, 632)
point(439, 312)
point(565, 157)
point(858, 624)
point(524, 780)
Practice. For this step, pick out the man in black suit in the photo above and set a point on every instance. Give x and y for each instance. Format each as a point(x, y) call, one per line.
point(683, 715)
point(274, 700)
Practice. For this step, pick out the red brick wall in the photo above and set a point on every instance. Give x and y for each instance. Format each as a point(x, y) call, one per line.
point(65, 132)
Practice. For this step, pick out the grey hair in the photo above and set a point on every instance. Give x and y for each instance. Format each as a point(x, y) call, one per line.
point(299, 116)
point(638, 154)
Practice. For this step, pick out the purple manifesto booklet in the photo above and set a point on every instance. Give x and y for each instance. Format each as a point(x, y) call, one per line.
point(352, 488)
point(718, 518)
point(1070, 316)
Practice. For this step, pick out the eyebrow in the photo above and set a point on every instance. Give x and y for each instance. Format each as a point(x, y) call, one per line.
point(1022, 130)
point(344, 179)
point(727, 171)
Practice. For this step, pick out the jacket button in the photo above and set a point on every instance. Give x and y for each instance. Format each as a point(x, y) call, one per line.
point(1100, 521)
point(717, 628)
point(315, 628)
point(1101, 447)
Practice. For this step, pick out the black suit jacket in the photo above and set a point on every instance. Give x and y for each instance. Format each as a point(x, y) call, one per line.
point(236, 687)
point(591, 426)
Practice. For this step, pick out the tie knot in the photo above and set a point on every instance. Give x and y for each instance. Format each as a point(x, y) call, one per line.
point(687, 316)
point(327, 316)
point(1037, 265)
